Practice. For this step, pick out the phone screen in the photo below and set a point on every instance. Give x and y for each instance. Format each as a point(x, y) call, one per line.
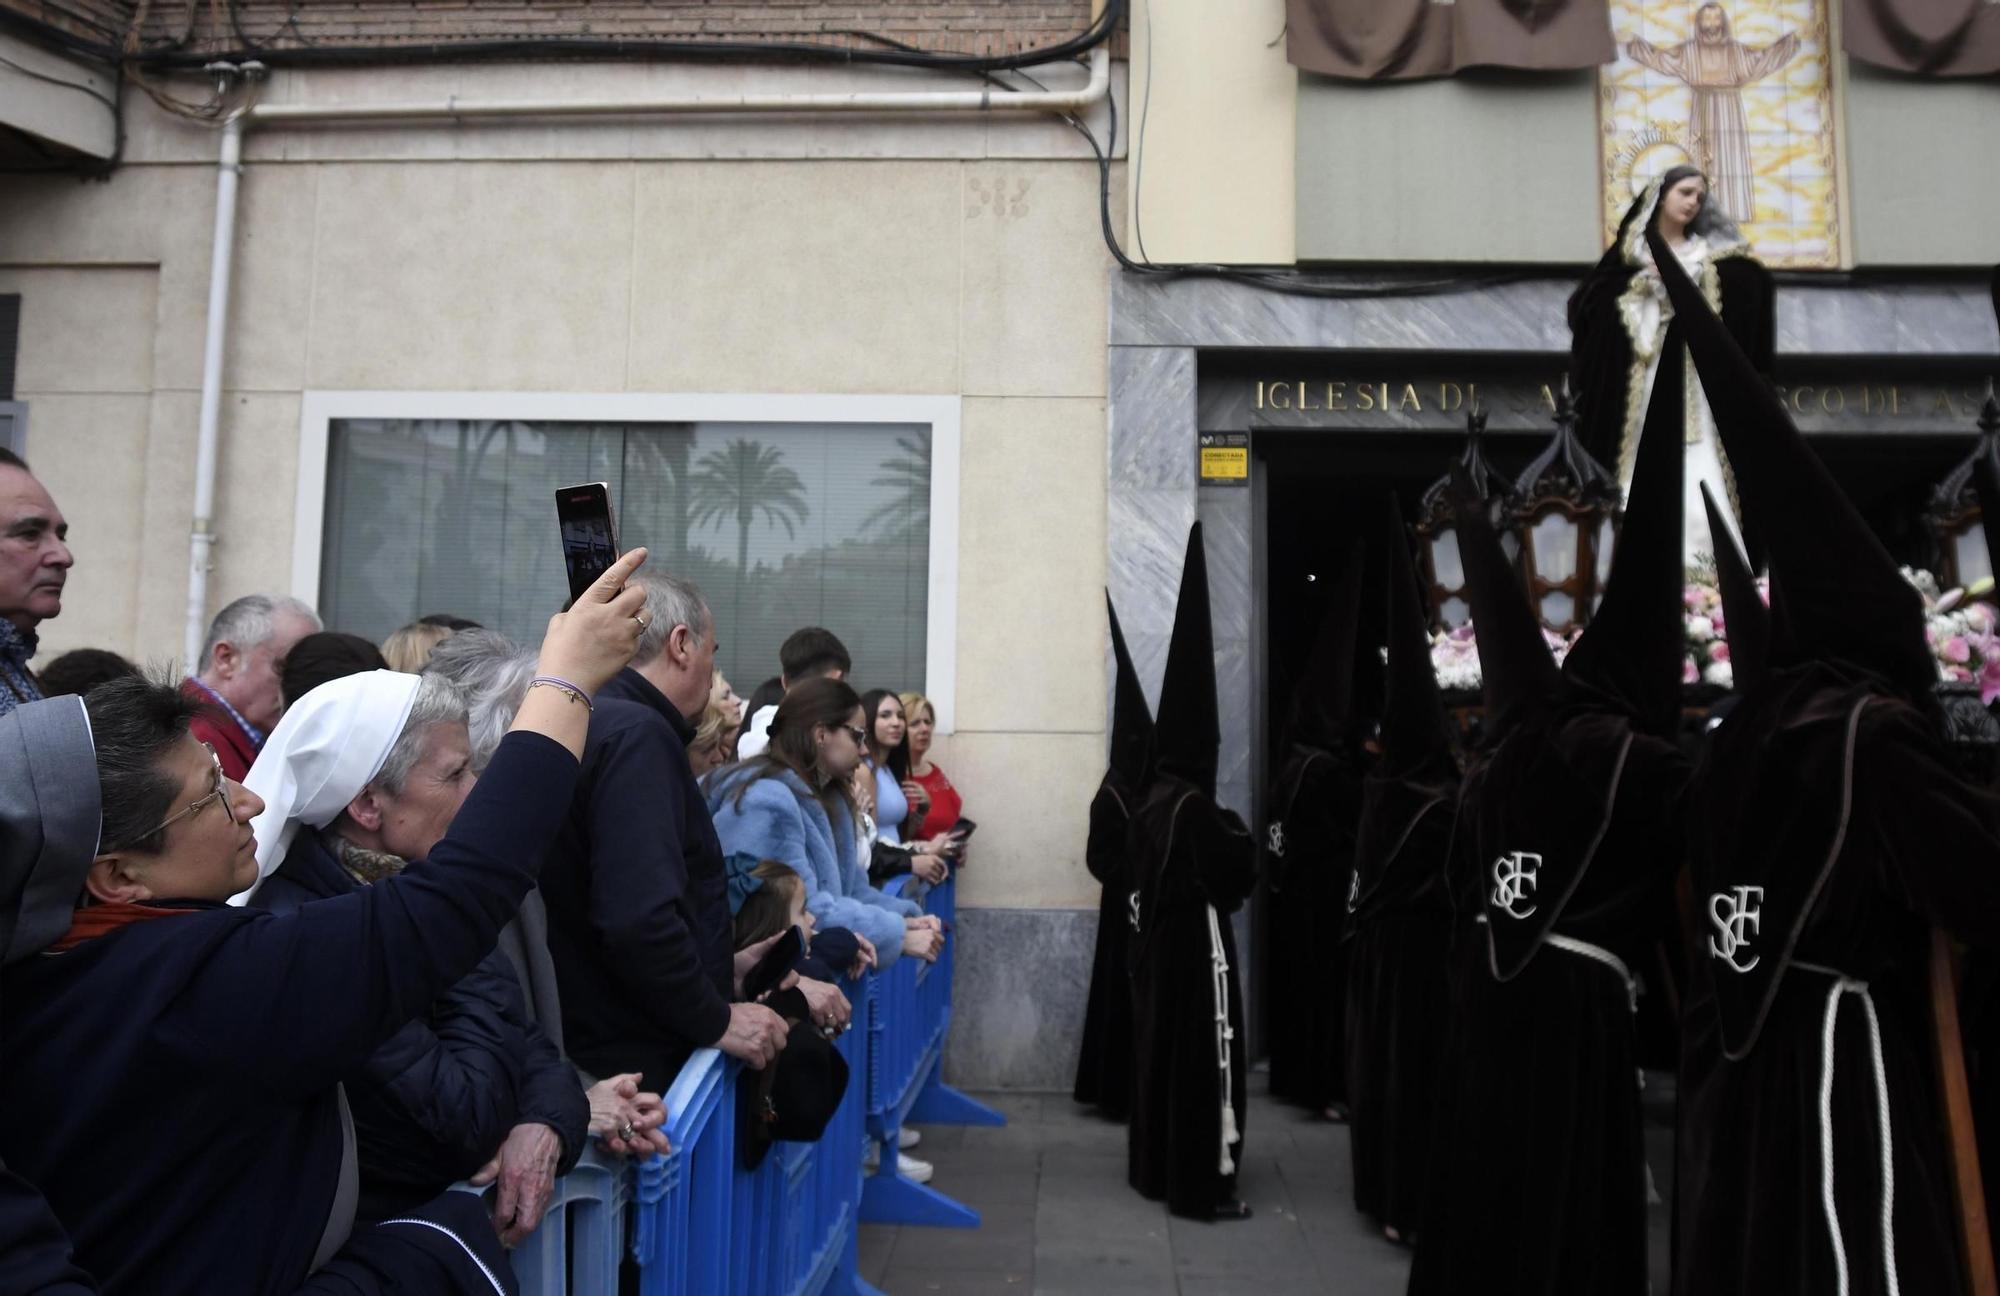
point(589, 536)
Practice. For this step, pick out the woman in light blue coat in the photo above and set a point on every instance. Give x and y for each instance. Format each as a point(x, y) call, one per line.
point(791, 804)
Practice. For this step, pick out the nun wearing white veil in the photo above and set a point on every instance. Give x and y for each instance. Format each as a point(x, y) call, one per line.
point(363, 775)
point(172, 1083)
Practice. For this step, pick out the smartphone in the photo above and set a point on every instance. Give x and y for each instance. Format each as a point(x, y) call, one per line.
point(777, 963)
point(963, 829)
point(589, 535)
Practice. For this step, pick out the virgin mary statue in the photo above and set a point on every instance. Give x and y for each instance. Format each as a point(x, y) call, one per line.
point(1618, 320)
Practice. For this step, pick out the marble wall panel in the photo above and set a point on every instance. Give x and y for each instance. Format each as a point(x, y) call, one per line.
point(1018, 994)
point(1225, 526)
point(1152, 418)
point(1884, 316)
point(1147, 532)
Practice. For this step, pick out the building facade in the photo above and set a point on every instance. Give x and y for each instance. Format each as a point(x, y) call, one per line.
point(876, 370)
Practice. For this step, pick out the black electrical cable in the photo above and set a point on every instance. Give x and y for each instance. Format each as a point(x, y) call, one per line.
point(89, 169)
point(1289, 283)
point(78, 86)
point(631, 48)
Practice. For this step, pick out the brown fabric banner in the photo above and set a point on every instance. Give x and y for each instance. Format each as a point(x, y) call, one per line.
point(1941, 38)
point(1404, 40)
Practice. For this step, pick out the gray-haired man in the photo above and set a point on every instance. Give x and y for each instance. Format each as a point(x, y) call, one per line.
point(240, 678)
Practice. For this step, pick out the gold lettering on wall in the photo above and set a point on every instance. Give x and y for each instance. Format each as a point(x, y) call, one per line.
point(1453, 396)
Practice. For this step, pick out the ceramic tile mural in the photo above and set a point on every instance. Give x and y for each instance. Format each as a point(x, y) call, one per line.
point(1742, 90)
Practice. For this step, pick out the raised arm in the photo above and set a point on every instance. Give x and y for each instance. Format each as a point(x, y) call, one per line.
point(296, 1000)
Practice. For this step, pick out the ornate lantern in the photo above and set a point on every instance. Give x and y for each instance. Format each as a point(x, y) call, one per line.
point(1437, 527)
point(1953, 514)
point(1566, 509)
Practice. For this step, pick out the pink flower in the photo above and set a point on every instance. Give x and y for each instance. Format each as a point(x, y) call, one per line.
point(1979, 616)
point(1689, 675)
point(1989, 681)
point(1718, 651)
point(1956, 650)
point(1958, 674)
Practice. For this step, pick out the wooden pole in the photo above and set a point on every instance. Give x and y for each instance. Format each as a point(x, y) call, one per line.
point(1967, 1189)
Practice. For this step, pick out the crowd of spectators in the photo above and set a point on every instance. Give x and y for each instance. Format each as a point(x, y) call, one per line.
point(345, 925)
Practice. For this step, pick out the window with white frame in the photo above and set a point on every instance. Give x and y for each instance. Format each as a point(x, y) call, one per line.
point(783, 522)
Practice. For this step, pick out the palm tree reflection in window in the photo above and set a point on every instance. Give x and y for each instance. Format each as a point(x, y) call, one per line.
point(906, 514)
point(738, 482)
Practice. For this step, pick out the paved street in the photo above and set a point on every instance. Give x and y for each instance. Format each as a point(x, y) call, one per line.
point(1058, 1217)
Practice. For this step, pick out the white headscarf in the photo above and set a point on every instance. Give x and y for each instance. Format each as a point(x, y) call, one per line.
point(330, 744)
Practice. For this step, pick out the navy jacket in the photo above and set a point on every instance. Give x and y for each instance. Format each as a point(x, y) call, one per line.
point(34, 1253)
point(434, 1103)
point(639, 925)
point(170, 1086)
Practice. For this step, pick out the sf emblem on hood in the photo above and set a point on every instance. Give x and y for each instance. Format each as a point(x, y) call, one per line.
point(1274, 838)
point(1736, 915)
point(1513, 878)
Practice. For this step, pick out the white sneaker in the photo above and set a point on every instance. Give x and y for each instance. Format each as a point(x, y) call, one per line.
point(912, 1169)
point(907, 1138)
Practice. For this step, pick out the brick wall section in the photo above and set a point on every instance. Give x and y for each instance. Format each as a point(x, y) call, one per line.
point(982, 27)
point(102, 21)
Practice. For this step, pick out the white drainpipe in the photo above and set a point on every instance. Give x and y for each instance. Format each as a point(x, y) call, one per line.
point(230, 168)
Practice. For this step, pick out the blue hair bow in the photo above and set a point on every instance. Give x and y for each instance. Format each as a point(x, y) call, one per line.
point(741, 870)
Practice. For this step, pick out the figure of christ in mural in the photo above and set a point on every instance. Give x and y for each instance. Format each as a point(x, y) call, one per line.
point(1716, 67)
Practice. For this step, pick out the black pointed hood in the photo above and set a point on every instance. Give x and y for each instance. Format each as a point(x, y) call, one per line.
point(1745, 620)
point(1629, 659)
point(1131, 720)
point(1187, 729)
point(1416, 741)
point(1517, 671)
point(1844, 601)
point(1323, 702)
point(1403, 837)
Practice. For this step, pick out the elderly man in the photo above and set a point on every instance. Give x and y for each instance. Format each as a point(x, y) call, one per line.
point(240, 681)
point(34, 562)
point(639, 922)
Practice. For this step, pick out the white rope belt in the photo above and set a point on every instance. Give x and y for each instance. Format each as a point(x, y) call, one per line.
point(1847, 985)
point(1596, 953)
point(1571, 945)
point(1224, 1033)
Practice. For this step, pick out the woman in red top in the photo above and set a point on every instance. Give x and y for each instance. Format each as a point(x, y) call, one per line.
point(945, 805)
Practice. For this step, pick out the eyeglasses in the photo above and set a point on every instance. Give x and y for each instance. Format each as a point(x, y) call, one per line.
point(860, 734)
point(221, 793)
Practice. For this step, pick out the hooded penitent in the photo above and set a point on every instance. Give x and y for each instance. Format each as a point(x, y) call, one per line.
point(1745, 619)
point(1192, 866)
point(1104, 1067)
point(1399, 915)
point(1187, 730)
point(1827, 833)
point(1308, 847)
point(1566, 853)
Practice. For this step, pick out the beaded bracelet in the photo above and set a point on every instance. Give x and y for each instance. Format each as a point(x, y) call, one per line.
point(551, 681)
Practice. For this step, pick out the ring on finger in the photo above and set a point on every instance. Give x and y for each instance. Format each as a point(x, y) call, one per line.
point(625, 1131)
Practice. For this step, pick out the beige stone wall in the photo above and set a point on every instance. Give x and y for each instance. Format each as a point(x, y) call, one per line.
point(1214, 170)
point(960, 258)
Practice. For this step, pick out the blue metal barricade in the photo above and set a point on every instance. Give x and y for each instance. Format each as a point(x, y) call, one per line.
point(685, 1199)
point(909, 1012)
point(582, 1236)
point(705, 1224)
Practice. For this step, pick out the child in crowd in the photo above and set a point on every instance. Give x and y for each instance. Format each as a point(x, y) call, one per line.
point(768, 899)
